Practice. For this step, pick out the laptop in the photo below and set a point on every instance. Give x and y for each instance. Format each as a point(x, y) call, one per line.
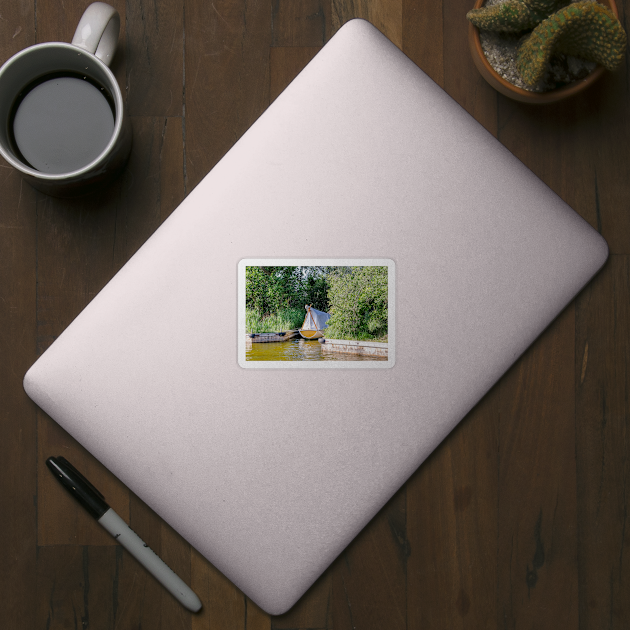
point(270, 471)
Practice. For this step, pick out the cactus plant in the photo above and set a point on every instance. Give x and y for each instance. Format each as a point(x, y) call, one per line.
point(513, 16)
point(583, 29)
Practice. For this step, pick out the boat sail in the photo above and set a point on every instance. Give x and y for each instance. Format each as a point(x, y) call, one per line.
point(314, 322)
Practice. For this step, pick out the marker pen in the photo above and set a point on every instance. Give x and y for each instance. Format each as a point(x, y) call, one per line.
point(94, 502)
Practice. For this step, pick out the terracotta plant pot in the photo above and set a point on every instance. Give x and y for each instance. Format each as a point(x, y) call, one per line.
point(518, 94)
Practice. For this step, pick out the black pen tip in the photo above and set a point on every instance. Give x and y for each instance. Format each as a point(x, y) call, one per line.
point(80, 488)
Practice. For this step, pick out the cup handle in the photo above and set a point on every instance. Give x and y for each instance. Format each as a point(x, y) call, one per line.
point(98, 30)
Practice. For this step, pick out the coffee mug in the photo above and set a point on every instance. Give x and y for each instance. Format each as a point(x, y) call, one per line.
point(62, 116)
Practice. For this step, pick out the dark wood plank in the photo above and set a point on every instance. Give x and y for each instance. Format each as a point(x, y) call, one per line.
point(608, 127)
point(152, 185)
point(386, 15)
point(142, 600)
point(570, 145)
point(57, 22)
point(452, 527)
point(154, 57)
point(226, 78)
point(312, 611)
point(369, 587)
point(558, 147)
point(18, 415)
point(300, 23)
point(224, 606)
point(18, 524)
point(285, 64)
point(76, 587)
point(578, 148)
point(422, 36)
point(537, 538)
point(603, 445)
point(17, 27)
point(171, 158)
point(18, 419)
point(461, 78)
point(575, 147)
point(60, 519)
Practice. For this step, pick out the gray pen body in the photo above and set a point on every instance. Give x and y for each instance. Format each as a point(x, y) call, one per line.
point(149, 559)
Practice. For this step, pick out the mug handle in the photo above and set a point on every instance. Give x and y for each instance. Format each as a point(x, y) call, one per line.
point(98, 30)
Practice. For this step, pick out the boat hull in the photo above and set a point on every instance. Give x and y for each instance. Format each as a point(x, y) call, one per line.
point(311, 334)
point(270, 337)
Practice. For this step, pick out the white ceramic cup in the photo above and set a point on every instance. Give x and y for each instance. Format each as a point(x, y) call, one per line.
point(88, 56)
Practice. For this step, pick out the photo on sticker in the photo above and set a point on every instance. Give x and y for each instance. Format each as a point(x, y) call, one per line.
point(316, 313)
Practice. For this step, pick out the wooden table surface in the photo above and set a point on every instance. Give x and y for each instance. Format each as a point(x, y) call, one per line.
point(518, 520)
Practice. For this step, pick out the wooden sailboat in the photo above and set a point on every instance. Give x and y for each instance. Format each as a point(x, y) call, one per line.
point(314, 323)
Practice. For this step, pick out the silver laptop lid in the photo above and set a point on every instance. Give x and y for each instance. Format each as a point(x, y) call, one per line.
point(270, 473)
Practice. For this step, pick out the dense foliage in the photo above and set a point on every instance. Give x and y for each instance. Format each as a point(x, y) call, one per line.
point(271, 289)
point(355, 297)
point(286, 319)
point(358, 303)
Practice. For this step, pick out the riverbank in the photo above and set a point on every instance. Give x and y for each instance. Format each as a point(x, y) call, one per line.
point(302, 350)
point(283, 320)
point(348, 346)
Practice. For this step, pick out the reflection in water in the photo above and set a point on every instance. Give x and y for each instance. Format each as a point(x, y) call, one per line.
point(299, 350)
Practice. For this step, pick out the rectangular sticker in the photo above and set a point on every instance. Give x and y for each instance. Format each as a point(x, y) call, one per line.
point(316, 313)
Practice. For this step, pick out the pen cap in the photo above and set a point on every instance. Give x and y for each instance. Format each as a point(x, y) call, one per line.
point(78, 486)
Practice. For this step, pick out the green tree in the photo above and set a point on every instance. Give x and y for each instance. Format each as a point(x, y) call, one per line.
point(315, 287)
point(358, 303)
point(271, 289)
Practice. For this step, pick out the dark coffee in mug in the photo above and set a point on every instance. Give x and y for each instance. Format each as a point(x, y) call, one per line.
point(62, 122)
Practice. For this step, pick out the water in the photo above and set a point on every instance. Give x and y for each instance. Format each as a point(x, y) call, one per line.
point(299, 350)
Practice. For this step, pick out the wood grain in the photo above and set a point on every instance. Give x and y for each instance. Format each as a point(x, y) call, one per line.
point(285, 64)
point(18, 325)
point(461, 79)
point(369, 579)
point(226, 78)
point(154, 57)
point(386, 15)
point(224, 606)
point(300, 23)
point(313, 609)
point(519, 519)
point(57, 22)
point(609, 134)
point(61, 520)
point(602, 381)
point(151, 605)
point(18, 416)
point(537, 537)
point(422, 36)
point(76, 587)
point(151, 187)
point(452, 515)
